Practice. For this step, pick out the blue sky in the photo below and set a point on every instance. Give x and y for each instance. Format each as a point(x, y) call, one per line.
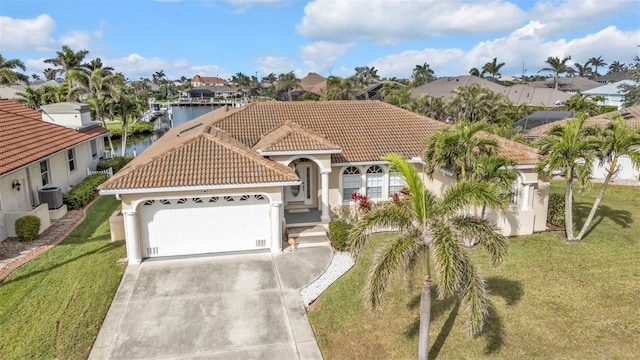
point(330, 37)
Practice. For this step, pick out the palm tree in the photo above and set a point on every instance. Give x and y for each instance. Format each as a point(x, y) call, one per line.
point(422, 74)
point(492, 168)
point(127, 107)
point(557, 67)
point(67, 60)
point(8, 76)
point(50, 74)
point(618, 139)
point(96, 84)
point(493, 68)
point(583, 70)
point(30, 97)
point(475, 72)
point(596, 62)
point(617, 66)
point(54, 93)
point(432, 229)
point(568, 148)
point(287, 82)
point(457, 149)
point(338, 89)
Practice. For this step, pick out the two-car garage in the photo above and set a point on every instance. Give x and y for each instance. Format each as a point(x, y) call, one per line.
point(204, 224)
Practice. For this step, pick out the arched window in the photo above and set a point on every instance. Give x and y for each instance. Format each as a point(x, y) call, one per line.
point(374, 182)
point(350, 182)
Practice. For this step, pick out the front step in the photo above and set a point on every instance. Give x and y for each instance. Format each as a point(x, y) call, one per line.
point(308, 236)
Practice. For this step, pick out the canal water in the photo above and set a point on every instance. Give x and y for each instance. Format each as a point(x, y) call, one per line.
point(181, 114)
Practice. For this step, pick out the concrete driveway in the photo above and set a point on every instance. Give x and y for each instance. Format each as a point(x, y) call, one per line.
point(217, 307)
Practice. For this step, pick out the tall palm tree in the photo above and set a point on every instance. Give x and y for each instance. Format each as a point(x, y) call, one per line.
point(493, 68)
point(568, 148)
point(475, 72)
point(596, 62)
point(50, 74)
point(67, 60)
point(557, 66)
point(338, 89)
point(126, 106)
point(617, 66)
point(8, 75)
point(618, 139)
point(30, 97)
point(288, 82)
point(422, 74)
point(432, 229)
point(457, 149)
point(583, 70)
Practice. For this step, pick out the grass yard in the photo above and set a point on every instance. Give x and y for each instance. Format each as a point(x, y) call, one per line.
point(550, 300)
point(53, 306)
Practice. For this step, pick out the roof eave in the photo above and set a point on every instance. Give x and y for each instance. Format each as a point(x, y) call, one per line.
point(196, 188)
point(298, 152)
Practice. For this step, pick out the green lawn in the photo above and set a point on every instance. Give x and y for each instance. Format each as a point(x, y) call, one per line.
point(53, 306)
point(550, 300)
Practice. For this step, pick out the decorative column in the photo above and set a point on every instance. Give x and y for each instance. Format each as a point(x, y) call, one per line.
point(276, 227)
point(131, 235)
point(525, 197)
point(325, 196)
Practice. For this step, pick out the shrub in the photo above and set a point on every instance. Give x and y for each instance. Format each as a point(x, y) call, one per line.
point(116, 163)
point(27, 228)
point(81, 194)
point(555, 213)
point(339, 234)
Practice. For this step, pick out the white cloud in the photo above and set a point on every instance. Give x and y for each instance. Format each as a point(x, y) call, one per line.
point(401, 65)
point(388, 22)
point(321, 56)
point(135, 66)
point(564, 16)
point(36, 65)
point(208, 70)
point(27, 34)
point(276, 65)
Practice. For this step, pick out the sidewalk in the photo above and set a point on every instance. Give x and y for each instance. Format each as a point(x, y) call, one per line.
point(57, 232)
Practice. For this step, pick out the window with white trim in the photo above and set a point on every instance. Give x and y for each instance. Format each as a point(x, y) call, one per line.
point(94, 149)
point(350, 182)
point(375, 176)
point(44, 173)
point(396, 183)
point(71, 159)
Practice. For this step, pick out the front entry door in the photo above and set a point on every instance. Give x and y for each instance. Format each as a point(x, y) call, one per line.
point(304, 191)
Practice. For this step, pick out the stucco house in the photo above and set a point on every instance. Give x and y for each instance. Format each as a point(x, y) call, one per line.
point(43, 154)
point(235, 178)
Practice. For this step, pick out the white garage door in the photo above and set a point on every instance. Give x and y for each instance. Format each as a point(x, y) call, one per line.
point(200, 225)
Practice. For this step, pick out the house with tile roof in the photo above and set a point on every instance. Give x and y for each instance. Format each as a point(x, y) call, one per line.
point(612, 93)
point(43, 154)
point(626, 169)
point(235, 179)
point(517, 94)
point(198, 80)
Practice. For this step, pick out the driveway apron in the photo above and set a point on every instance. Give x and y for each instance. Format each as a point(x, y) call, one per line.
point(217, 307)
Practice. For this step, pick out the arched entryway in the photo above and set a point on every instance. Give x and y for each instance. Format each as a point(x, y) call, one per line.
point(310, 199)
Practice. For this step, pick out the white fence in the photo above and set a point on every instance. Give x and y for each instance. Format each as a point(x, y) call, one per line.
point(109, 172)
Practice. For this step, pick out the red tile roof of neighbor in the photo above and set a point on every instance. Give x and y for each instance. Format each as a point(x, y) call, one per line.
point(25, 138)
point(363, 131)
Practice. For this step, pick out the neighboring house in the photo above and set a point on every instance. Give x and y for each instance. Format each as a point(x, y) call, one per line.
point(209, 92)
point(539, 118)
point(517, 94)
point(612, 77)
point(312, 83)
point(627, 170)
point(234, 179)
point(374, 91)
point(11, 92)
point(571, 85)
point(612, 93)
point(42, 154)
point(208, 81)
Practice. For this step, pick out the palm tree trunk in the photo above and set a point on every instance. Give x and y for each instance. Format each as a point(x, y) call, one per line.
point(568, 207)
point(425, 319)
point(104, 125)
point(596, 203)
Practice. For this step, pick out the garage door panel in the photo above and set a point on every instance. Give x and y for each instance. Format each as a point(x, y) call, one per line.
point(199, 225)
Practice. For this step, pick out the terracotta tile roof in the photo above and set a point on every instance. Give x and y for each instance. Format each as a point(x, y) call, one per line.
point(216, 148)
point(521, 153)
point(631, 114)
point(25, 138)
point(293, 137)
point(206, 156)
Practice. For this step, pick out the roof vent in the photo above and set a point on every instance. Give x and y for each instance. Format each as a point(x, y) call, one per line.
point(190, 128)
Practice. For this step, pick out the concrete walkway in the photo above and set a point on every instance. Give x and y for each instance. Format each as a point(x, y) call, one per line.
point(216, 307)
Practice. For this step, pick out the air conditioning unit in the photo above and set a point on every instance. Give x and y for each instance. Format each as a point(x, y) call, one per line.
point(51, 196)
point(106, 154)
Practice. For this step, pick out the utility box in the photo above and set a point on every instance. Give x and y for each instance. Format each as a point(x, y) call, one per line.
point(52, 196)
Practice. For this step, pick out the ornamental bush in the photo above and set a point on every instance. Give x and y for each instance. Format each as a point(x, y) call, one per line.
point(339, 234)
point(81, 194)
point(27, 228)
point(116, 163)
point(555, 213)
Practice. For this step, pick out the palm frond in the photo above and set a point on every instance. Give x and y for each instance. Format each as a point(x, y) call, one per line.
point(388, 217)
point(447, 253)
point(465, 194)
point(473, 296)
point(396, 255)
point(485, 234)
